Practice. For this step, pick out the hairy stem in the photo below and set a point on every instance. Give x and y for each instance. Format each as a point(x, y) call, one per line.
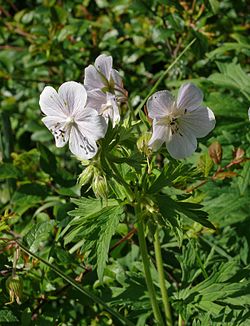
point(146, 265)
point(179, 320)
point(163, 288)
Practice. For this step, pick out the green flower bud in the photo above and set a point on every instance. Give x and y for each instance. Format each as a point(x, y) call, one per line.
point(100, 187)
point(14, 285)
point(86, 176)
point(142, 143)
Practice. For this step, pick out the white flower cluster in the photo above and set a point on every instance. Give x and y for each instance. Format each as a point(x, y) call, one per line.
point(79, 114)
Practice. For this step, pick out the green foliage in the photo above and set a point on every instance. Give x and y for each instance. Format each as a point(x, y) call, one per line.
point(8, 171)
point(216, 295)
point(94, 224)
point(90, 246)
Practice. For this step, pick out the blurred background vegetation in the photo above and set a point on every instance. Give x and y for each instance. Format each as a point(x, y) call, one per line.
point(47, 42)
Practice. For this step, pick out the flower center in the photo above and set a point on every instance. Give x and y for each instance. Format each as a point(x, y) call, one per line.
point(106, 106)
point(70, 121)
point(171, 121)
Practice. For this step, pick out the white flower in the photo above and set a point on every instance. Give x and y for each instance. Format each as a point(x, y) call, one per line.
point(178, 123)
point(249, 113)
point(105, 88)
point(69, 120)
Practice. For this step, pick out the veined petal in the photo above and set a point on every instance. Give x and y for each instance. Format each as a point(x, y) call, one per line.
point(160, 104)
point(116, 114)
point(161, 134)
point(96, 98)
point(83, 147)
point(59, 129)
point(198, 122)
point(116, 78)
point(189, 97)
point(90, 124)
point(73, 95)
point(113, 112)
point(103, 63)
point(181, 145)
point(51, 104)
point(92, 78)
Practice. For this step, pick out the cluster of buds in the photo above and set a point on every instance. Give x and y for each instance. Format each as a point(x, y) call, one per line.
point(94, 176)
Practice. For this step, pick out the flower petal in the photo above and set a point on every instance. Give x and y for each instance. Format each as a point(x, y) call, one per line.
point(51, 103)
point(83, 147)
point(249, 113)
point(113, 111)
point(103, 63)
point(90, 124)
point(73, 95)
point(189, 97)
point(96, 98)
point(161, 134)
point(160, 104)
point(198, 122)
point(116, 78)
point(92, 78)
point(59, 129)
point(181, 145)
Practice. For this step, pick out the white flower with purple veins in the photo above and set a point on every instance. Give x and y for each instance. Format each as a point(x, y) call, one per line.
point(105, 88)
point(69, 120)
point(178, 123)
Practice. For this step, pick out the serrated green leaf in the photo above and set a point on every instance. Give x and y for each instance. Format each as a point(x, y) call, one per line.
point(171, 174)
point(92, 228)
point(170, 209)
point(107, 231)
point(232, 76)
point(244, 178)
point(38, 234)
point(9, 171)
point(205, 164)
point(7, 316)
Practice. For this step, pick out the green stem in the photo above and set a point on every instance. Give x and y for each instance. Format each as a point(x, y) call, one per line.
point(163, 288)
point(163, 76)
point(179, 320)
point(146, 265)
point(77, 286)
point(15, 258)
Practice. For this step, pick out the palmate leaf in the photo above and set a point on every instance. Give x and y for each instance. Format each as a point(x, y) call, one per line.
point(170, 209)
point(93, 227)
point(232, 76)
point(227, 288)
point(172, 174)
point(228, 207)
